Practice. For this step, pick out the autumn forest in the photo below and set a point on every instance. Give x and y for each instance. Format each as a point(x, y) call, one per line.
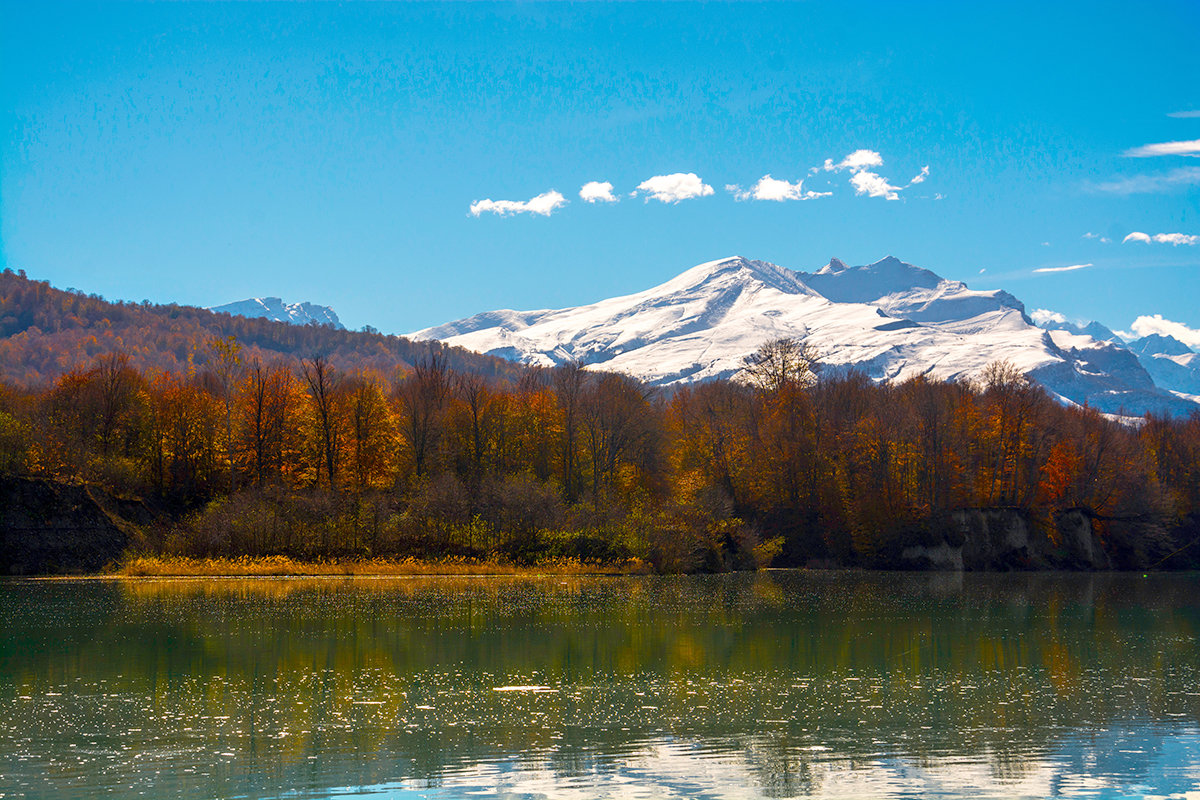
point(245, 437)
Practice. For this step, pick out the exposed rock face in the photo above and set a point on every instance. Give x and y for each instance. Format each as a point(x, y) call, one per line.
point(1000, 539)
point(48, 527)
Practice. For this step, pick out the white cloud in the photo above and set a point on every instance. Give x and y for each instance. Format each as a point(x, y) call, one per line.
point(1184, 114)
point(858, 160)
point(867, 182)
point(543, 204)
point(1097, 237)
point(1146, 325)
point(1150, 184)
point(874, 185)
point(769, 188)
point(597, 192)
point(675, 187)
point(1071, 268)
point(1043, 316)
point(1175, 239)
point(1191, 148)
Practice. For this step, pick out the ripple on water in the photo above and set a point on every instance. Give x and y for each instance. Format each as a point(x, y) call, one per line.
point(767, 686)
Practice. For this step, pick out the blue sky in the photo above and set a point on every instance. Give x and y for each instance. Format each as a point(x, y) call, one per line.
point(203, 153)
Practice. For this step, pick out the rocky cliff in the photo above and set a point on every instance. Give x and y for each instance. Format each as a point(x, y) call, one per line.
point(48, 528)
point(1002, 539)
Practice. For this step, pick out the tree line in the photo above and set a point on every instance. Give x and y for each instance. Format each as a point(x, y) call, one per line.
point(47, 332)
point(241, 454)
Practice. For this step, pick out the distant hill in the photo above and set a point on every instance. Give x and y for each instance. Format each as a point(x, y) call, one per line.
point(274, 308)
point(46, 332)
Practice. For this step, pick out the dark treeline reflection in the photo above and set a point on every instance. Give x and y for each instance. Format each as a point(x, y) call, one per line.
point(284, 684)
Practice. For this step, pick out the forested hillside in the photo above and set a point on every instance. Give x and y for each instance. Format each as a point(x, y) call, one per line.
point(305, 457)
point(46, 332)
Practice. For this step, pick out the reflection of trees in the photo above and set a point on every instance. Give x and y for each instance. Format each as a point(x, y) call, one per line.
point(277, 670)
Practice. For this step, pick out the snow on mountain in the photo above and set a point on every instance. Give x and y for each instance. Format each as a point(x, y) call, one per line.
point(274, 308)
point(903, 290)
point(1170, 364)
point(1173, 365)
point(1095, 330)
point(889, 319)
point(1158, 345)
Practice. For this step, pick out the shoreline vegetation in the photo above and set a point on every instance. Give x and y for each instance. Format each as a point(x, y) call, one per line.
point(320, 453)
point(283, 566)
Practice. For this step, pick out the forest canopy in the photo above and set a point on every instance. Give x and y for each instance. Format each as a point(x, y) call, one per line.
point(258, 438)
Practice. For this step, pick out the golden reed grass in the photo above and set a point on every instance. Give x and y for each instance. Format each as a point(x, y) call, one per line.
point(279, 566)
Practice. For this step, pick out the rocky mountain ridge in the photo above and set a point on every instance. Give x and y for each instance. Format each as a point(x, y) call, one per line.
point(889, 319)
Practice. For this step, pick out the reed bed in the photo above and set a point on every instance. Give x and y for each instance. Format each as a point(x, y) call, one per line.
point(278, 566)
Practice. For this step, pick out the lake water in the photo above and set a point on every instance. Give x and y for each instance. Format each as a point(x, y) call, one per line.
point(780, 684)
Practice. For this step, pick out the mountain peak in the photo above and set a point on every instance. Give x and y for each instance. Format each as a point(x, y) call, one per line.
point(1156, 344)
point(274, 308)
point(864, 284)
point(735, 270)
point(889, 319)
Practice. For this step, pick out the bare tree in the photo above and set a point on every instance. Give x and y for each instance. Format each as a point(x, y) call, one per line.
point(472, 389)
point(323, 383)
point(267, 408)
point(779, 364)
point(617, 422)
point(422, 396)
point(569, 380)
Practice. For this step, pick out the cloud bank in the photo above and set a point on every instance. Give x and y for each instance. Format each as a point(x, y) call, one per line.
point(674, 187)
point(865, 181)
point(1175, 239)
point(597, 192)
point(1044, 316)
point(678, 186)
point(769, 188)
point(874, 185)
point(1146, 325)
point(1190, 148)
point(544, 204)
point(856, 161)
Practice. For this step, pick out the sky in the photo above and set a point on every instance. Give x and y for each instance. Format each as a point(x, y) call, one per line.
point(410, 164)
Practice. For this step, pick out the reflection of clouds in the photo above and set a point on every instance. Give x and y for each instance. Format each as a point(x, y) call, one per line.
point(674, 770)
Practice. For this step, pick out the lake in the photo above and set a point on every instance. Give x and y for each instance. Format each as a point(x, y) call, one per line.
point(776, 684)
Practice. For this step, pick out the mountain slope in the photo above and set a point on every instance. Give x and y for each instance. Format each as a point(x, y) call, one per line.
point(889, 319)
point(1172, 364)
point(273, 308)
point(46, 332)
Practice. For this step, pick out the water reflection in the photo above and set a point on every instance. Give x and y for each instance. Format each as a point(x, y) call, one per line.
point(770, 685)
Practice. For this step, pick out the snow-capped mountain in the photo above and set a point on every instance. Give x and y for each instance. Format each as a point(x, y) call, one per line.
point(889, 319)
point(275, 309)
point(1173, 365)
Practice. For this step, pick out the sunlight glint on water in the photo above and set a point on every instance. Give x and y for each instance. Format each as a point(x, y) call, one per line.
point(747, 686)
